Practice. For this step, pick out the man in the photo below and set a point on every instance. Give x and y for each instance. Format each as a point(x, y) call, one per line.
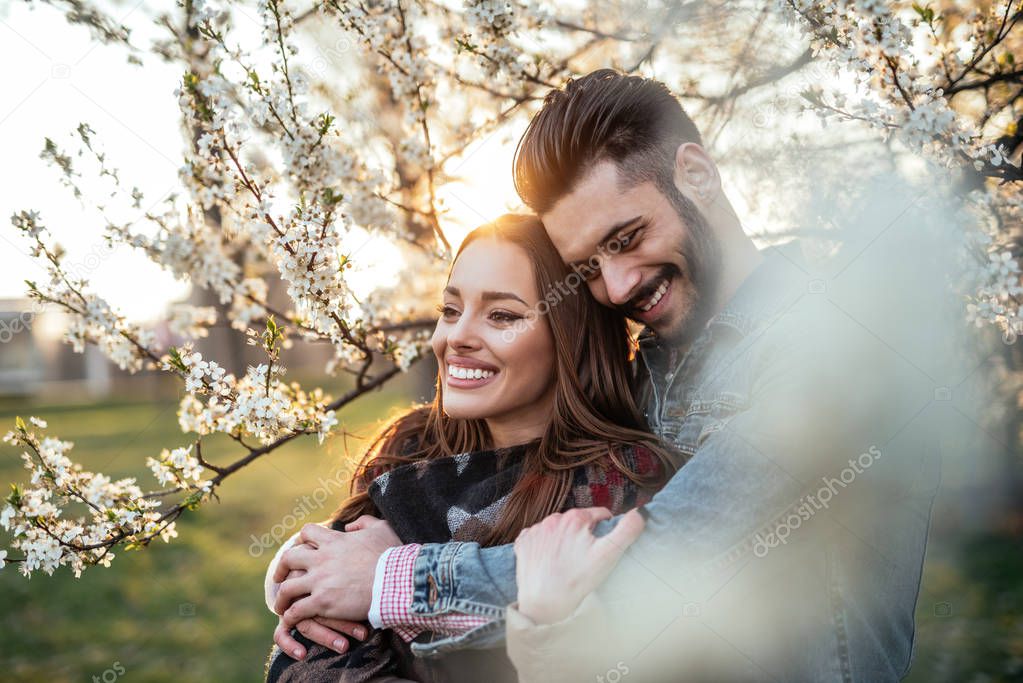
point(746, 568)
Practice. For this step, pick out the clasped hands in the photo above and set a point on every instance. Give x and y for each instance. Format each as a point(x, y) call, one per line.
point(327, 579)
point(327, 583)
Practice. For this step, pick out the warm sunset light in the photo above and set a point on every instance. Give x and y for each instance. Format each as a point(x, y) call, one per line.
point(743, 404)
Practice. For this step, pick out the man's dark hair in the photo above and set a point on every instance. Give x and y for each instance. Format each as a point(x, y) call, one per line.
point(633, 121)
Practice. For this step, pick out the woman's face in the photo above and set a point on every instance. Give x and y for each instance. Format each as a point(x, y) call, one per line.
point(491, 367)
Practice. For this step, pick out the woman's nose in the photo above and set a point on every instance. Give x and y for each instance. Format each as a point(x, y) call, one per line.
point(464, 334)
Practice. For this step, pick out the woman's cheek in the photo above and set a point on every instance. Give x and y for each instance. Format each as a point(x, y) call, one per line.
point(439, 341)
point(536, 345)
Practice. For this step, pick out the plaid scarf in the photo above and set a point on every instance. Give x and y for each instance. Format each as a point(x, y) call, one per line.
point(456, 498)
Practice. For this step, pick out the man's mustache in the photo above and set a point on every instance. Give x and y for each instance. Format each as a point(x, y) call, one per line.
point(667, 272)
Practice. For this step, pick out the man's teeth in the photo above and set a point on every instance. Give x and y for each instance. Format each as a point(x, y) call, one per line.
point(656, 298)
point(468, 373)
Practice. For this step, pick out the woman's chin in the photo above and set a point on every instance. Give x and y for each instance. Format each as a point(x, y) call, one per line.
point(459, 410)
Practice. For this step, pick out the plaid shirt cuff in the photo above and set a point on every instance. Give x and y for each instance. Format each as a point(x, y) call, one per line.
point(391, 607)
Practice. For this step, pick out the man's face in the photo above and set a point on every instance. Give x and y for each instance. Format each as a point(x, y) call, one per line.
point(655, 266)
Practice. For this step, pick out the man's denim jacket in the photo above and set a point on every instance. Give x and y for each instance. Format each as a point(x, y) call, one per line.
point(791, 542)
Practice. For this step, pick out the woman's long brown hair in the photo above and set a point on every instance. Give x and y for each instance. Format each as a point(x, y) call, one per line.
point(594, 413)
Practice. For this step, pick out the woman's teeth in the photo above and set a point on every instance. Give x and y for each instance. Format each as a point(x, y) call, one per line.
point(656, 298)
point(468, 373)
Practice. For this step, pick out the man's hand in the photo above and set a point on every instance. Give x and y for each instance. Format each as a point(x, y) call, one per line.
point(338, 578)
point(559, 561)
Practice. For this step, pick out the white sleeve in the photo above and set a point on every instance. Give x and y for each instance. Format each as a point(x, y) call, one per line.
point(378, 588)
point(270, 588)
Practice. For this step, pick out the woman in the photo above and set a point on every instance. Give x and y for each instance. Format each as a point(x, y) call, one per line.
point(534, 414)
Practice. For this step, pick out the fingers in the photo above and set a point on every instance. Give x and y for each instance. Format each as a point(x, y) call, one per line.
point(613, 545)
point(318, 633)
point(579, 517)
point(289, 591)
point(301, 609)
point(361, 523)
point(282, 636)
point(314, 533)
point(594, 515)
point(354, 629)
point(293, 558)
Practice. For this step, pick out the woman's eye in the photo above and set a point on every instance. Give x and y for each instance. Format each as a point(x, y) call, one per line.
point(447, 311)
point(505, 317)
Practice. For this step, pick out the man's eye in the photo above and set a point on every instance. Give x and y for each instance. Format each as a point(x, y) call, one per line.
point(626, 240)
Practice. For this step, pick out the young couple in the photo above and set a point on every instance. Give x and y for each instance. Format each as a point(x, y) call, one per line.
point(487, 532)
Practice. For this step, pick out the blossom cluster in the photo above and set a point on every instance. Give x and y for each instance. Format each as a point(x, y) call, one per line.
point(191, 322)
point(490, 29)
point(93, 320)
point(38, 516)
point(258, 404)
point(902, 68)
point(996, 300)
point(870, 40)
point(178, 467)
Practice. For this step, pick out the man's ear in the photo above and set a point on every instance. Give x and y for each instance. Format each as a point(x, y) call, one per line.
point(696, 174)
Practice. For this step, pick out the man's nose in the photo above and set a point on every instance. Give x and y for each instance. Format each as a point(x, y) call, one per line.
point(620, 280)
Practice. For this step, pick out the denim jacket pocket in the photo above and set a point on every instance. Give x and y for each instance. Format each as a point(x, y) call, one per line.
point(701, 417)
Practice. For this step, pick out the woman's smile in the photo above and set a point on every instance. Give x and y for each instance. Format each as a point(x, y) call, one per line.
point(469, 373)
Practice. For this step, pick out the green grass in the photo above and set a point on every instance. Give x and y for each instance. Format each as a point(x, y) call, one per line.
point(969, 618)
point(190, 610)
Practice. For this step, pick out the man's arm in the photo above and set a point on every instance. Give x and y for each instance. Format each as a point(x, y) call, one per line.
point(812, 407)
point(811, 410)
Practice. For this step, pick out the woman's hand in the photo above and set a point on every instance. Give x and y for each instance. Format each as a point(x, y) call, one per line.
point(559, 561)
point(334, 585)
point(326, 632)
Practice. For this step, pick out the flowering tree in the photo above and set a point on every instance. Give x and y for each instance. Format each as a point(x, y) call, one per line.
point(286, 159)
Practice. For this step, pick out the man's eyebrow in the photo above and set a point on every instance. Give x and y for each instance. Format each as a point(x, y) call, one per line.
point(615, 229)
point(487, 296)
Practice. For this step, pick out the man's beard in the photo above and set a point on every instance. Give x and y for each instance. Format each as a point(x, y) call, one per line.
point(701, 252)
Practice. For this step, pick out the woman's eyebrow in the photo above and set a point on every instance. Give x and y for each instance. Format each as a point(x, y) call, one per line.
point(487, 296)
point(493, 296)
